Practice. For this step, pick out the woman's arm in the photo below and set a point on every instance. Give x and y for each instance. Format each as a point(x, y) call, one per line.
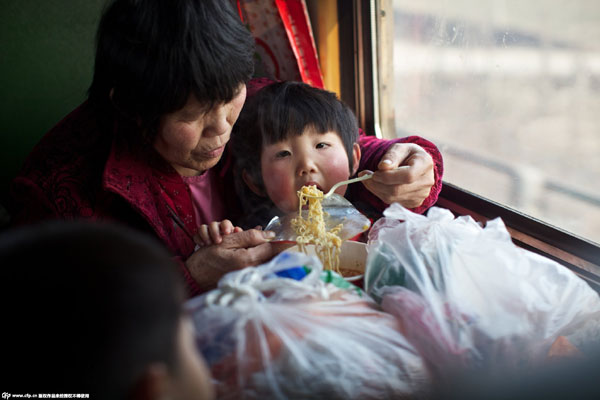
point(28, 203)
point(415, 185)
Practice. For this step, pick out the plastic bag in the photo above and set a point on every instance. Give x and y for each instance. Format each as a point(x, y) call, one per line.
point(337, 211)
point(469, 298)
point(268, 336)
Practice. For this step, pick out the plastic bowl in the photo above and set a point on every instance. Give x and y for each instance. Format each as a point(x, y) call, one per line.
point(353, 258)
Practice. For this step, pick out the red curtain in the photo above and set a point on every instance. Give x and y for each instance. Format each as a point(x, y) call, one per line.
point(285, 44)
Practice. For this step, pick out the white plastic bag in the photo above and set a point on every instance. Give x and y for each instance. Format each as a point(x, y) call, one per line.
point(267, 337)
point(469, 298)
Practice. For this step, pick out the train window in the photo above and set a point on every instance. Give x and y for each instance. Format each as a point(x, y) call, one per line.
point(510, 92)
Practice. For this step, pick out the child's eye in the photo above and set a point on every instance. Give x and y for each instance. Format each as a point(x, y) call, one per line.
point(322, 145)
point(282, 154)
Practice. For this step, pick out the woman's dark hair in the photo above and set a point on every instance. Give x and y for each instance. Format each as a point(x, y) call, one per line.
point(276, 112)
point(86, 308)
point(152, 54)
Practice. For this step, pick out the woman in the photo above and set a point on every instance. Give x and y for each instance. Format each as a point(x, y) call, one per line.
point(149, 146)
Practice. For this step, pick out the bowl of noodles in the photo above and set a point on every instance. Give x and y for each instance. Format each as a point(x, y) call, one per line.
point(314, 237)
point(352, 259)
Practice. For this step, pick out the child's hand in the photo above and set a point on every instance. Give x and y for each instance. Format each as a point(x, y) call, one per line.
point(213, 233)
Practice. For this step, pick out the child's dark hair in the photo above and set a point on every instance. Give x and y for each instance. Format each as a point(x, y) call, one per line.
point(276, 112)
point(83, 301)
point(152, 54)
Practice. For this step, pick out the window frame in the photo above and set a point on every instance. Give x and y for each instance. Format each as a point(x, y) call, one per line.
point(358, 86)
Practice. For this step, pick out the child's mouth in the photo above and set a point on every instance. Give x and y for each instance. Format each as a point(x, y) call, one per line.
point(313, 184)
point(310, 183)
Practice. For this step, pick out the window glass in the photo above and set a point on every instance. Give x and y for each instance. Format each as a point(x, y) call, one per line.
point(510, 92)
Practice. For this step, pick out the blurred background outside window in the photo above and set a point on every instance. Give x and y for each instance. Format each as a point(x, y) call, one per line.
point(510, 92)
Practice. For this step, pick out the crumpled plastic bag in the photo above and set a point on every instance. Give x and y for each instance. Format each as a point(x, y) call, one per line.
point(265, 336)
point(470, 299)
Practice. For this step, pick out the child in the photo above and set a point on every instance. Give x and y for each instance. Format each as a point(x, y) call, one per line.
point(95, 309)
point(288, 135)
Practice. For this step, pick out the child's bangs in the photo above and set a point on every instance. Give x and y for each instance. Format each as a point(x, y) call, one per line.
point(292, 117)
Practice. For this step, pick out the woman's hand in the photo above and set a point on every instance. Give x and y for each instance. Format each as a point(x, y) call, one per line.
point(213, 233)
point(405, 175)
point(236, 251)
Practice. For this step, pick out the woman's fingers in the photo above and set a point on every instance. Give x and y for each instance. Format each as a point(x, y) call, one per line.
point(251, 247)
point(236, 251)
point(405, 176)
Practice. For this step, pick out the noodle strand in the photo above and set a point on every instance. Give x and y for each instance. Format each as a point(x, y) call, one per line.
point(311, 230)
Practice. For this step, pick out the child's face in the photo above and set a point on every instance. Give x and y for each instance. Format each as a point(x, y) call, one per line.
point(308, 159)
point(191, 379)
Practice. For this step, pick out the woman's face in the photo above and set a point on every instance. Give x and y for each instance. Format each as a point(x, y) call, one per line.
point(308, 159)
point(192, 139)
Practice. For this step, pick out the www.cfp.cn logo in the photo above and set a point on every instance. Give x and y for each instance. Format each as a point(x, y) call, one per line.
point(6, 395)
